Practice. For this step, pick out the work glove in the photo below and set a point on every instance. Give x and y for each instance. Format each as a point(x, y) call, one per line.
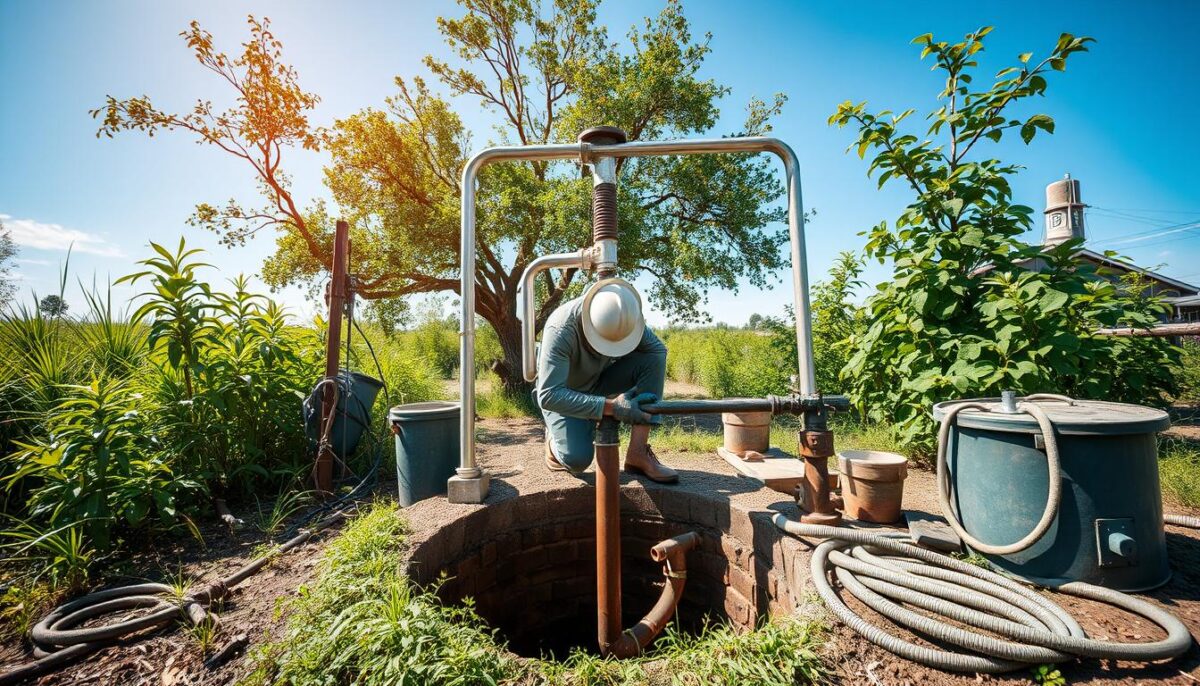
point(627, 407)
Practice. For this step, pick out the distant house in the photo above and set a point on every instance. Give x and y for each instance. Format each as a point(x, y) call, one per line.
point(1064, 221)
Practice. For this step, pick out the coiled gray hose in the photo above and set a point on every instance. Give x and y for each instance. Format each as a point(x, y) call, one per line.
point(1182, 520)
point(1034, 629)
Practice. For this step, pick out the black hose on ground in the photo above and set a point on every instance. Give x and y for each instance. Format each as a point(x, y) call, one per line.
point(57, 642)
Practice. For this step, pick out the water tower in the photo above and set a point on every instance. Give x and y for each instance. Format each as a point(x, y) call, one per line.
point(1064, 211)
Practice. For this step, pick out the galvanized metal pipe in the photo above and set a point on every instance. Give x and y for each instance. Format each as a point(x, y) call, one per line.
point(529, 303)
point(583, 151)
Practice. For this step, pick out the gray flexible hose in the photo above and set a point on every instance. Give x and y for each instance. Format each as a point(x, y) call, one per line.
point(1182, 520)
point(1032, 629)
point(1053, 498)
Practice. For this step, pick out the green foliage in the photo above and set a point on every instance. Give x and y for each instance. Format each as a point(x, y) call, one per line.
point(362, 622)
point(729, 362)
point(963, 314)
point(95, 467)
point(1048, 675)
point(835, 318)
point(1189, 372)
point(61, 556)
point(8, 252)
point(1179, 469)
point(116, 429)
point(178, 306)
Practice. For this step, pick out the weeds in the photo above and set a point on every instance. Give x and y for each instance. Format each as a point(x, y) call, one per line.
point(363, 622)
point(1179, 470)
point(271, 521)
point(60, 557)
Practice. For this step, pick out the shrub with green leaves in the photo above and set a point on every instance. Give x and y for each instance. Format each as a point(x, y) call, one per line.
point(96, 468)
point(729, 362)
point(963, 315)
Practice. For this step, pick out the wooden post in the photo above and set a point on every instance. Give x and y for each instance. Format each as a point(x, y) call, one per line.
point(323, 473)
point(1160, 331)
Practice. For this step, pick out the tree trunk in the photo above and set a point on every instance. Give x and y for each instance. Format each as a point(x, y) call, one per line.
point(508, 368)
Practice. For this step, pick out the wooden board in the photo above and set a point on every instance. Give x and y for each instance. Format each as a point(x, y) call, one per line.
point(932, 532)
point(778, 470)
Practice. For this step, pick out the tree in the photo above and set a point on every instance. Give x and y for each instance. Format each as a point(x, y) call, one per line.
point(962, 315)
point(755, 322)
point(835, 318)
point(53, 306)
point(8, 251)
point(545, 73)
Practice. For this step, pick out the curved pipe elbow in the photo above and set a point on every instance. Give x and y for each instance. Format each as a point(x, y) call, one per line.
point(673, 554)
point(528, 304)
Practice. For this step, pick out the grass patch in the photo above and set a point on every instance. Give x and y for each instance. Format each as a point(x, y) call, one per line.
point(362, 622)
point(1179, 471)
point(782, 652)
point(687, 436)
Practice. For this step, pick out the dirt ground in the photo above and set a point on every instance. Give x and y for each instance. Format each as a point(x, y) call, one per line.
point(510, 450)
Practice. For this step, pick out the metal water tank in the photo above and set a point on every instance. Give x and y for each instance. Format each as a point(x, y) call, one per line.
point(1109, 526)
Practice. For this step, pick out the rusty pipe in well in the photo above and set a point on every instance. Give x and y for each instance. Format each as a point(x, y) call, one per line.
point(608, 534)
point(673, 554)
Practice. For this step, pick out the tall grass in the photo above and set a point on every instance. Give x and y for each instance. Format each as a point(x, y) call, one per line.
point(728, 362)
point(1179, 471)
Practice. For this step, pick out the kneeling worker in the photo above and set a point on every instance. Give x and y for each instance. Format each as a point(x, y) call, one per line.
point(598, 358)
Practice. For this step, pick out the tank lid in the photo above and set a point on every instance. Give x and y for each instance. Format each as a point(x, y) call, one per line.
point(1081, 417)
point(434, 409)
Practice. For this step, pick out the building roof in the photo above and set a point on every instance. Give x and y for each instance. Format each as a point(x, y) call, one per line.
point(1185, 289)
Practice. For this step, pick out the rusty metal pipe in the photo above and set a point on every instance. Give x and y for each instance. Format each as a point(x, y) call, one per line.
point(608, 534)
point(673, 554)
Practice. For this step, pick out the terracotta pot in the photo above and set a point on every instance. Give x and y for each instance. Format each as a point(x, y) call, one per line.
point(872, 484)
point(747, 431)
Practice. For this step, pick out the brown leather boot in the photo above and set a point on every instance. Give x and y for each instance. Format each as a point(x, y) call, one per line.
point(552, 462)
point(651, 468)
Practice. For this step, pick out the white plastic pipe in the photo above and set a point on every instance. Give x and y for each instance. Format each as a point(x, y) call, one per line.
point(468, 469)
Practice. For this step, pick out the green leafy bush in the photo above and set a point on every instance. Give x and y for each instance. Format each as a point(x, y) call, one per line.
point(963, 314)
point(96, 468)
point(835, 318)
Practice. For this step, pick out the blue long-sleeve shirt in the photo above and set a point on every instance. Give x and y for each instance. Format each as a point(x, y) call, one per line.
point(568, 370)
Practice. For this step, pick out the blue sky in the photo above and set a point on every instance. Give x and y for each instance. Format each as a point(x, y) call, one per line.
point(1123, 113)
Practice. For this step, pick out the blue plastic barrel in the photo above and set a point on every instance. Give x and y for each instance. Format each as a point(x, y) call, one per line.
point(1109, 528)
point(356, 395)
point(427, 445)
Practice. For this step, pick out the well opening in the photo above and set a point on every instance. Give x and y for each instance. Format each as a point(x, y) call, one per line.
point(529, 564)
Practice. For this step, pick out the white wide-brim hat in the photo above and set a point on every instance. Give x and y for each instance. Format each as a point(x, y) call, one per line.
point(612, 317)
